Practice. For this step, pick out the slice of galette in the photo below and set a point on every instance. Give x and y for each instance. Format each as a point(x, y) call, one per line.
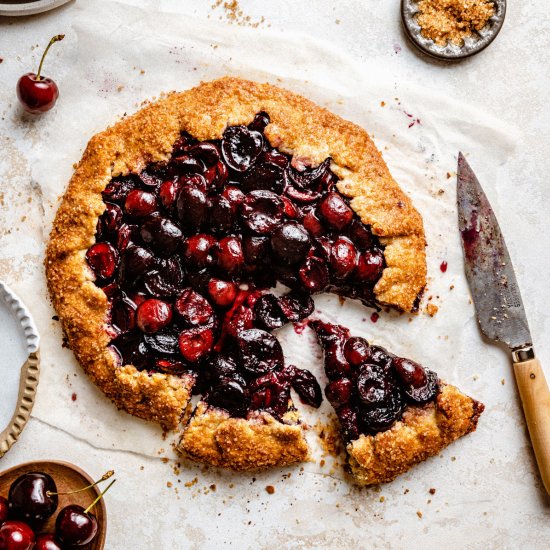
point(393, 412)
point(175, 225)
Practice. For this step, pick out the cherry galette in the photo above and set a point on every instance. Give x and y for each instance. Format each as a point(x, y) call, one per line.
point(176, 226)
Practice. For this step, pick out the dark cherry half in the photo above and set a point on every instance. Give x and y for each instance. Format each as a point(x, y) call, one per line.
point(187, 250)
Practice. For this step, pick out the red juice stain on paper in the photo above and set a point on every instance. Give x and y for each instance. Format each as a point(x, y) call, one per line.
point(443, 266)
point(301, 326)
point(374, 317)
point(73, 397)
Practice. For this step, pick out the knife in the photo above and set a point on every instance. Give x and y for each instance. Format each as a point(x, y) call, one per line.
point(499, 307)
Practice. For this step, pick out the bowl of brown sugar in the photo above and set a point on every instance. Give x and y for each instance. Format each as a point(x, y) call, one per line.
point(452, 29)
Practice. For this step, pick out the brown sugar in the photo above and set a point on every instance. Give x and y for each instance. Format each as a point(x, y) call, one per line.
point(446, 21)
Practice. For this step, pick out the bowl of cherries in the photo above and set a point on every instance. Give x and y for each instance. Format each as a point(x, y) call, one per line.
point(51, 505)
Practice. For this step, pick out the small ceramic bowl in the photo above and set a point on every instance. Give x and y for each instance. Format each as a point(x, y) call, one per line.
point(67, 477)
point(29, 7)
point(472, 45)
point(19, 368)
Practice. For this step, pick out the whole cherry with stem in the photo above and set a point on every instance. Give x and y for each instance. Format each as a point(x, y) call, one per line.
point(38, 94)
point(76, 526)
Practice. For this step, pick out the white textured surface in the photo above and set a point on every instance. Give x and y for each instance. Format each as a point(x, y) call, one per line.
point(491, 484)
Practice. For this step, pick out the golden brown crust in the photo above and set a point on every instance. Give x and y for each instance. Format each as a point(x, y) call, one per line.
point(213, 437)
point(423, 432)
point(297, 126)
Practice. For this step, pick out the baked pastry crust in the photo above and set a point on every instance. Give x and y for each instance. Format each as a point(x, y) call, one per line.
point(422, 432)
point(297, 126)
point(213, 437)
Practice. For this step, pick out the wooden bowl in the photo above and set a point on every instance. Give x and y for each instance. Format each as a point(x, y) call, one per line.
point(67, 477)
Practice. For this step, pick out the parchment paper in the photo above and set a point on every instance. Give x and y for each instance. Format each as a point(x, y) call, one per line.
point(110, 62)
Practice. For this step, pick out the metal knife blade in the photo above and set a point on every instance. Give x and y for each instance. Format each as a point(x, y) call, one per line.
point(489, 270)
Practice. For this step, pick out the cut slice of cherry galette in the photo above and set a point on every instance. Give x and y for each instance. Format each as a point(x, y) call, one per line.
point(178, 222)
point(393, 412)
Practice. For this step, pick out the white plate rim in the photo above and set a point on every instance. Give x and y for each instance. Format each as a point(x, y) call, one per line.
point(29, 371)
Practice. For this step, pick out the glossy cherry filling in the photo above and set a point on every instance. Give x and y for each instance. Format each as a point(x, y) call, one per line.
point(368, 386)
point(187, 250)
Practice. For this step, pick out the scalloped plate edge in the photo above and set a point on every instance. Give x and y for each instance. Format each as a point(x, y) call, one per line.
point(29, 371)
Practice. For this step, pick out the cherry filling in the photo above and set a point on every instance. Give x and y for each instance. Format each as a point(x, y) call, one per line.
point(186, 252)
point(368, 386)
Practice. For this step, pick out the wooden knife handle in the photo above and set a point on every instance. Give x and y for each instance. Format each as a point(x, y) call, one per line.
point(535, 397)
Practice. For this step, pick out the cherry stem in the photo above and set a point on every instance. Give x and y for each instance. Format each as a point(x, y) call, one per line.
point(105, 476)
point(99, 497)
point(56, 38)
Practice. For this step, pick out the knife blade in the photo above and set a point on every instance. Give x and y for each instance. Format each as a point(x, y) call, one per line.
point(499, 307)
point(489, 270)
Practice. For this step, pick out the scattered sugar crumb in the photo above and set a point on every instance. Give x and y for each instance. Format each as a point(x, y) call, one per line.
point(503, 381)
point(270, 489)
point(432, 309)
point(419, 514)
point(432, 491)
point(382, 498)
point(169, 484)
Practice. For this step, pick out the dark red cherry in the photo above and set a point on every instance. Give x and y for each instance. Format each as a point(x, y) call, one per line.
point(409, 372)
point(102, 259)
point(168, 193)
point(195, 343)
point(38, 94)
point(240, 319)
point(192, 206)
point(230, 393)
point(3, 509)
point(222, 293)
point(268, 312)
point(162, 235)
point(31, 497)
point(313, 274)
point(310, 178)
point(241, 147)
point(110, 221)
point(296, 306)
point(123, 313)
point(166, 280)
point(425, 393)
point(47, 541)
point(136, 260)
point(313, 223)
point(277, 158)
point(153, 315)
point(290, 242)
point(370, 266)
point(334, 209)
point(187, 165)
point(75, 527)
point(140, 204)
point(373, 387)
point(349, 422)
point(230, 254)
point(261, 120)
point(164, 341)
point(198, 250)
point(356, 351)
point(339, 392)
point(234, 195)
point(291, 210)
point(118, 189)
point(267, 177)
point(301, 196)
point(343, 257)
point(127, 234)
point(336, 365)
point(193, 308)
point(306, 386)
point(382, 417)
point(150, 180)
point(261, 211)
point(220, 367)
point(360, 235)
point(259, 351)
point(255, 248)
point(16, 535)
point(221, 214)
